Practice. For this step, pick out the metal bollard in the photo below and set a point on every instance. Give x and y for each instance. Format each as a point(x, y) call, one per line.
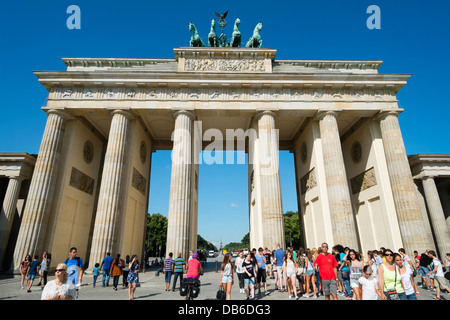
point(217, 269)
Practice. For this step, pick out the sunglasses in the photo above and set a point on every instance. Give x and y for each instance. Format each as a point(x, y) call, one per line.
point(60, 270)
point(388, 254)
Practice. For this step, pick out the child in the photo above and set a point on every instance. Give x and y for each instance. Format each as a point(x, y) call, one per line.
point(368, 285)
point(95, 272)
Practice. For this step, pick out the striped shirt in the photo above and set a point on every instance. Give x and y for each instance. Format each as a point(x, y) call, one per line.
point(168, 262)
point(179, 263)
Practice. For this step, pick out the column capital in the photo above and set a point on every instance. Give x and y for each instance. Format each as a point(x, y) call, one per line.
point(322, 113)
point(427, 177)
point(125, 112)
point(18, 178)
point(60, 112)
point(260, 113)
point(385, 113)
point(189, 113)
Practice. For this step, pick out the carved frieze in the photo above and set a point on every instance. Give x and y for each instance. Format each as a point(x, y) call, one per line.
point(308, 181)
point(81, 181)
point(227, 94)
point(138, 181)
point(231, 65)
point(363, 181)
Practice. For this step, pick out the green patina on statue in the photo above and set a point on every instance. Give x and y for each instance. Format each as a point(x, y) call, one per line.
point(196, 41)
point(255, 40)
point(213, 39)
point(236, 36)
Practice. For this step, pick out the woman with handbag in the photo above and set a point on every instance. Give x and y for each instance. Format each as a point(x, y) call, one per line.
point(226, 275)
point(391, 285)
point(116, 270)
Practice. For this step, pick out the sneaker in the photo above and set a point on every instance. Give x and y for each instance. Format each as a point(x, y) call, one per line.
point(417, 293)
point(436, 298)
point(315, 297)
point(290, 297)
point(306, 296)
point(267, 292)
point(296, 298)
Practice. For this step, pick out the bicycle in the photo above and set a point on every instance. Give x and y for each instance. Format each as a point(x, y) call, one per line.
point(190, 288)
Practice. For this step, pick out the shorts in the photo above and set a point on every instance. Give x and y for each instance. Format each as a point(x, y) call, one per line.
point(249, 282)
point(329, 287)
point(31, 276)
point(227, 279)
point(423, 271)
point(440, 282)
point(261, 276)
point(289, 275)
point(354, 284)
point(279, 270)
point(167, 275)
point(268, 268)
point(340, 279)
point(310, 272)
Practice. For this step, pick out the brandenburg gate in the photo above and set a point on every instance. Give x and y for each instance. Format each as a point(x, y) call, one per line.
point(106, 116)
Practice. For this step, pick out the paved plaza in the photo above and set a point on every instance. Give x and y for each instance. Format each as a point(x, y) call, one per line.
point(152, 288)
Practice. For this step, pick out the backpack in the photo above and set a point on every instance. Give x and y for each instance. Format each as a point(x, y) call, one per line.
point(301, 262)
point(78, 261)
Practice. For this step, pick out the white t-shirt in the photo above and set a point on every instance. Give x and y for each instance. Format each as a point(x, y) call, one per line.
point(406, 260)
point(406, 279)
point(438, 265)
point(239, 268)
point(368, 288)
point(51, 288)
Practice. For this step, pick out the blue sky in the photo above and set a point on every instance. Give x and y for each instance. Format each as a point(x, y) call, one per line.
point(413, 39)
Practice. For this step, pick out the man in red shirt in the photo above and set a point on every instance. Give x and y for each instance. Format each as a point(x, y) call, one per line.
point(326, 264)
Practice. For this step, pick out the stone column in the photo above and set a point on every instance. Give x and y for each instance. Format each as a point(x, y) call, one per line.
point(271, 203)
point(38, 206)
point(7, 213)
point(179, 217)
point(110, 199)
point(441, 232)
point(344, 228)
point(412, 228)
point(445, 201)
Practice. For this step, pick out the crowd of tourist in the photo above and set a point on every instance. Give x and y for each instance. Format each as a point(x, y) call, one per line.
point(304, 273)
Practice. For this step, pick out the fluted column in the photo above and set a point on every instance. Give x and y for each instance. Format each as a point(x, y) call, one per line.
point(412, 229)
point(110, 195)
point(271, 203)
point(344, 229)
point(38, 206)
point(7, 213)
point(179, 217)
point(437, 217)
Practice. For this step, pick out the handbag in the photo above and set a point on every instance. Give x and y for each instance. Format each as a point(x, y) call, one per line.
point(345, 274)
point(220, 295)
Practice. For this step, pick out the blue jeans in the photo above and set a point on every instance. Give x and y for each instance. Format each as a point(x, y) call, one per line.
point(411, 296)
point(348, 290)
point(116, 281)
point(95, 280)
point(106, 275)
point(175, 277)
point(167, 275)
